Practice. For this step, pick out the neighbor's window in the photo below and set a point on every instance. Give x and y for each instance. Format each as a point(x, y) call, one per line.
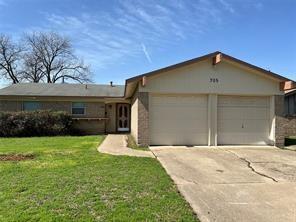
point(78, 108)
point(31, 106)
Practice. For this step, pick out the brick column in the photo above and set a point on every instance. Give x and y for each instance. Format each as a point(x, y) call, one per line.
point(143, 118)
point(279, 121)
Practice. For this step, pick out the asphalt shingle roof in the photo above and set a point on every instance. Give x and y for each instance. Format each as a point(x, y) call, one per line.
point(71, 90)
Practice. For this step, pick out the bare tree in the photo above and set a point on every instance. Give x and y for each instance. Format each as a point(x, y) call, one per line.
point(51, 57)
point(32, 68)
point(10, 56)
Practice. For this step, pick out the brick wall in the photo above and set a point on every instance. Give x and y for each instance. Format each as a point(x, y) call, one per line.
point(89, 127)
point(279, 102)
point(56, 106)
point(143, 118)
point(10, 106)
point(284, 126)
point(279, 131)
point(93, 109)
point(289, 126)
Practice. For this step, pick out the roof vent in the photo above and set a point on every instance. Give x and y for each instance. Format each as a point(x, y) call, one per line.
point(111, 84)
point(86, 86)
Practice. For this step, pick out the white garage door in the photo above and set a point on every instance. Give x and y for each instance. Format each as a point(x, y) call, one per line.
point(178, 120)
point(243, 120)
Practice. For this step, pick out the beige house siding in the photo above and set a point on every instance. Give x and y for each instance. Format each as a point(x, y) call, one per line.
point(204, 78)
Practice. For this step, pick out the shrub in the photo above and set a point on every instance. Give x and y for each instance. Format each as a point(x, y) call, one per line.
point(36, 123)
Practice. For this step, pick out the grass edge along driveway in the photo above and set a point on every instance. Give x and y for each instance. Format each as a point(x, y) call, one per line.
point(68, 180)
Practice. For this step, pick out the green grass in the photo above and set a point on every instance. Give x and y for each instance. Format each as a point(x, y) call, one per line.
point(131, 143)
point(70, 181)
point(290, 141)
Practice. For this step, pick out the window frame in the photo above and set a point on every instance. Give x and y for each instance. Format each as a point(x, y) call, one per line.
point(31, 110)
point(84, 108)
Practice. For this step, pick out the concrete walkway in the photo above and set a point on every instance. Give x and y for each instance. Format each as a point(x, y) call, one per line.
point(116, 145)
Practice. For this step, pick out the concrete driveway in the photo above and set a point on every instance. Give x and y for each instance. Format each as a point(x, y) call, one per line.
point(234, 184)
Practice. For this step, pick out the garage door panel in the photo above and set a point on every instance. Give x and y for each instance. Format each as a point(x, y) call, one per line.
point(251, 125)
point(257, 126)
point(243, 120)
point(177, 139)
point(247, 113)
point(178, 120)
point(232, 138)
point(172, 129)
point(243, 101)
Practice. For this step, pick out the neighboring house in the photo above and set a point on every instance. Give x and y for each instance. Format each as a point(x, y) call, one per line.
point(211, 100)
point(290, 102)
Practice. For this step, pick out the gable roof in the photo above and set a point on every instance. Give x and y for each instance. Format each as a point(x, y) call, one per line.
point(64, 90)
point(211, 55)
point(118, 91)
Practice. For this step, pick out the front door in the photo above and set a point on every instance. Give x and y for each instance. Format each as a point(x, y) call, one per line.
point(123, 117)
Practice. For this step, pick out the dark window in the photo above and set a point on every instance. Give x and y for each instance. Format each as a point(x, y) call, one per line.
point(31, 105)
point(78, 108)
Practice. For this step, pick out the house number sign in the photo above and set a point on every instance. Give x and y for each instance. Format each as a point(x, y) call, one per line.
point(214, 80)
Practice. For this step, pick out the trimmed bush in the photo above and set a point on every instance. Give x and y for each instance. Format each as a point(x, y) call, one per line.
point(36, 123)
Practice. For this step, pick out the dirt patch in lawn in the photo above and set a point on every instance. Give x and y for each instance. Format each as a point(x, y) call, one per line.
point(16, 157)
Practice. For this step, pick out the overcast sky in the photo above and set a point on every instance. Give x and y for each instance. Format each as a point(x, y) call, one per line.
point(122, 38)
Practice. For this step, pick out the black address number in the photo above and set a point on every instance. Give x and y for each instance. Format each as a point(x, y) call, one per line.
point(214, 80)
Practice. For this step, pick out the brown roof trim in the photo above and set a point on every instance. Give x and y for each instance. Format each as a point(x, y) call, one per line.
point(198, 59)
point(65, 97)
point(290, 92)
point(172, 67)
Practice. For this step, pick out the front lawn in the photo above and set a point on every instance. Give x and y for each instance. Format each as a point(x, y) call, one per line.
point(68, 180)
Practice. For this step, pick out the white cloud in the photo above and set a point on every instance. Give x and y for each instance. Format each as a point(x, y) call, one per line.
point(147, 55)
point(227, 6)
point(110, 37)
